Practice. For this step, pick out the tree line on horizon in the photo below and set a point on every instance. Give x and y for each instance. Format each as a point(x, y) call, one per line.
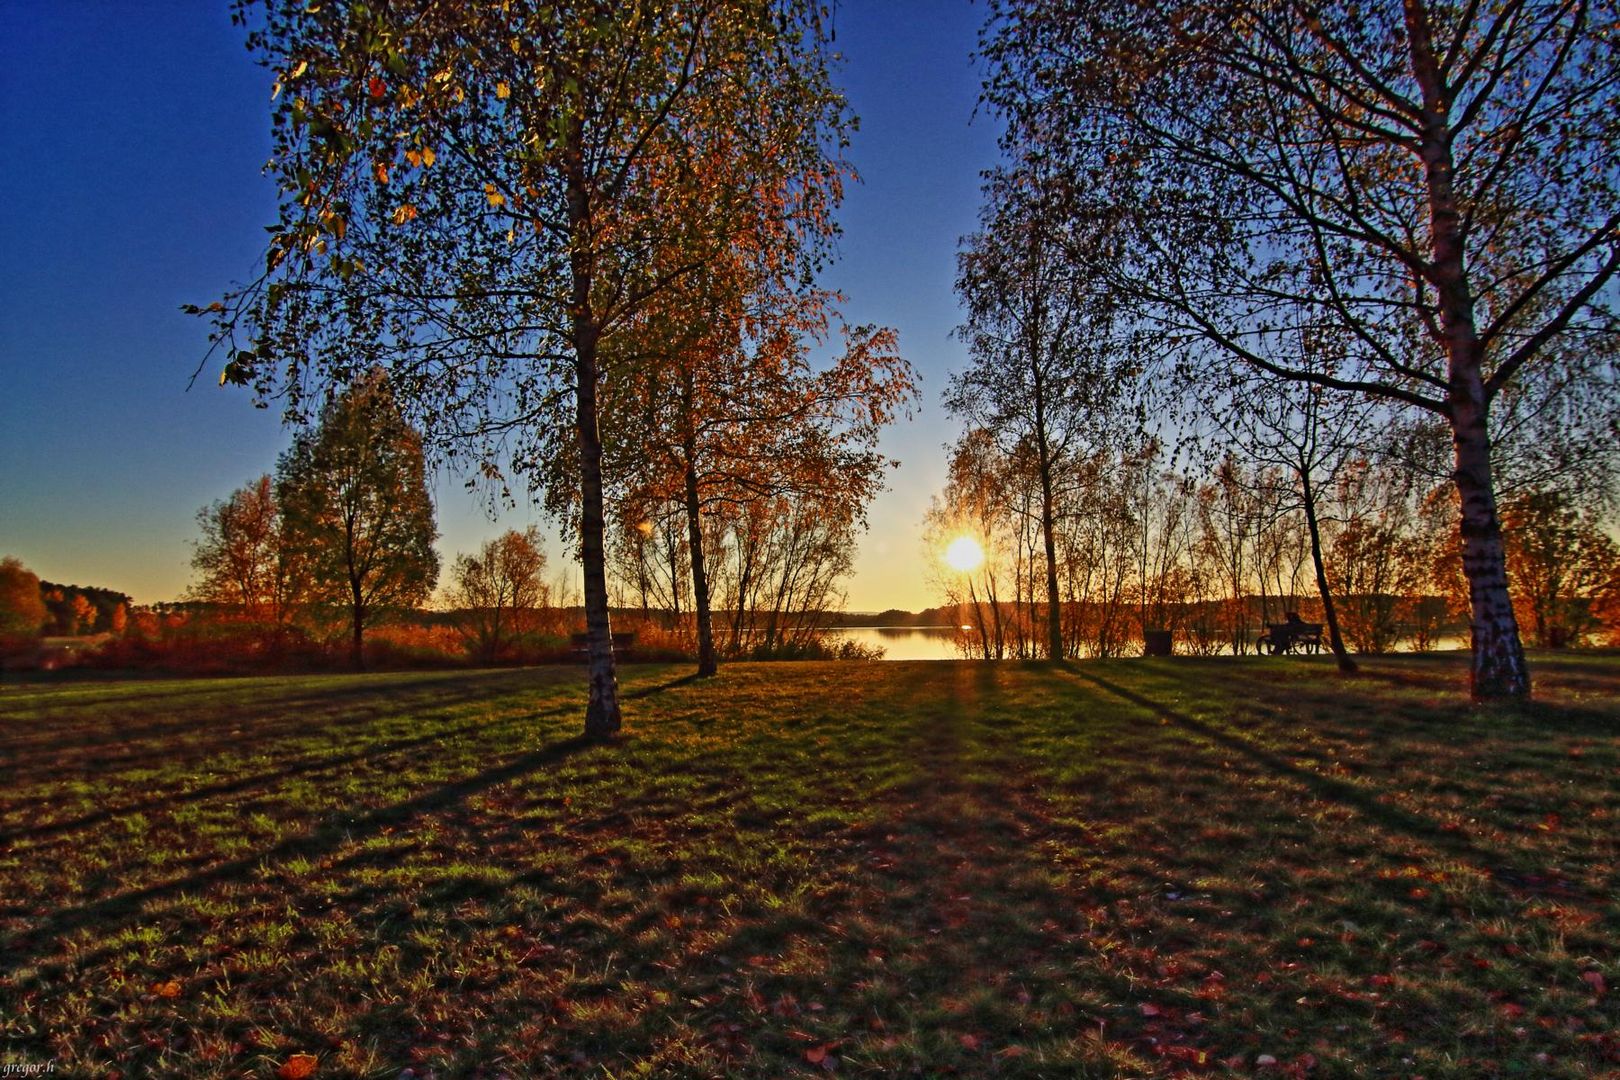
point(31, 608)
point(1212, 556)
point(339, 542)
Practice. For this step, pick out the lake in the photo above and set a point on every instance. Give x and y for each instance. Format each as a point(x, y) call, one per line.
point(905, 642)
point(939, 642)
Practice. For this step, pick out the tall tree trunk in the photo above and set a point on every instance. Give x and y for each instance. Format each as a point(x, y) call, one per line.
point(602, 717)
point(1054, 608)
point(978, 620)
point(357, 594)
point(357, 647)
point(1330, 614)
point(707, 664)
point(995, 616)
point(1498, 667)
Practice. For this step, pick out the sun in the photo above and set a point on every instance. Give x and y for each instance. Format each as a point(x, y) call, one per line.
point(964, 554)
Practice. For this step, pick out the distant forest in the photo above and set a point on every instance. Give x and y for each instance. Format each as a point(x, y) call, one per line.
point(83, 609)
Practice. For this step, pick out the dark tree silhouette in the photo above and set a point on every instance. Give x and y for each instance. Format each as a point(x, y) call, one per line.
point(355, 508)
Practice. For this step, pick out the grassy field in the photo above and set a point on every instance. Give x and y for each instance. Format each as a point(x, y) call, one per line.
point(1108, 869)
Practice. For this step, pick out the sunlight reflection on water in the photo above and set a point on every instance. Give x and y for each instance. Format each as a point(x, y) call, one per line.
point(939, 642)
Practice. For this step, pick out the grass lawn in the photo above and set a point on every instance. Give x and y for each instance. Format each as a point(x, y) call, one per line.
point(1121, 868)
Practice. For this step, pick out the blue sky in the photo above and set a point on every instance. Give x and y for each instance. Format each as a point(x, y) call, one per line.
point(134, 134)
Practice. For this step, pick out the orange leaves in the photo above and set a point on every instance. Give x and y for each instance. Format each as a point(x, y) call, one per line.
point(503, 91)
point(169, 989)
point(298, 1067)
point(379, 169)
point(403, 213)
point(424, 157)
point(496, 199)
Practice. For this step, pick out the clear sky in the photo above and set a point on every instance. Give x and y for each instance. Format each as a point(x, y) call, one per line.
point(134, 132)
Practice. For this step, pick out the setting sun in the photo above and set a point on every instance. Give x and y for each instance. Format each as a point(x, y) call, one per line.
point(964, 554)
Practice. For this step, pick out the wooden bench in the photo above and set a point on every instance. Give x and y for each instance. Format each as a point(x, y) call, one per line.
point(622, 644)
point(1290, 637)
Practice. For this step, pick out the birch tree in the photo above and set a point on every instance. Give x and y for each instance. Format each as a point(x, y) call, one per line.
point(480, 197)
point(1439, 180)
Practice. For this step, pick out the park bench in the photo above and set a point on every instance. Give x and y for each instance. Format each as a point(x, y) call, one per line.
point(1290, 637)
point(622, 643)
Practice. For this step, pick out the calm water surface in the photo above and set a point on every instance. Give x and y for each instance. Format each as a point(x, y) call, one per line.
point(905, 642)
point(939, 642)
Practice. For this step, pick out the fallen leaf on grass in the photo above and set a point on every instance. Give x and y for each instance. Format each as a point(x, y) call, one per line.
point(298, 1067)
point(1189, 1055)
point(170, 989)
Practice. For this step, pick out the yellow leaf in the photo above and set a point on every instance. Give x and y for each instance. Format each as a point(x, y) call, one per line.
point(414, 157)
point(502, 91)
point(428, 156)
point(404, 213)
point(303, 66)
point(495, 198)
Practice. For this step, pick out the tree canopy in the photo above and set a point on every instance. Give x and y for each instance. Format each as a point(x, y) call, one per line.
point(356, 510)
point(481, 196)
point(1438, 184)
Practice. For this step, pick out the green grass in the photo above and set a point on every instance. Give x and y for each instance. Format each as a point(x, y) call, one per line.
point(1110, 869)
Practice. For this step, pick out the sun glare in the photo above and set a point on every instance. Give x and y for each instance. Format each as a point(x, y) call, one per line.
point(964, 554)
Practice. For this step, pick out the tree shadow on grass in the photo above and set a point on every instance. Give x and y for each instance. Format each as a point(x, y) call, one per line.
point(272, 709)
point(1443, 678)
point(314, 764)
point(205, 735)
point(166, 691)
point(107, 914)
point(1363, 799)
